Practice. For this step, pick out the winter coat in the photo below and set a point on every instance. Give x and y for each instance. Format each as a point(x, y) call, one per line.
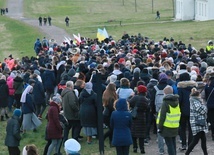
point(70, 104)
point(88, 109)
point(184, 90)
point(49, 80)
point(28, 106)
point(121, 121)
point(138, 128)
point(208, 90)
point(197, 111)
point(4, 94)
point(38, 92)
point(18, 85)
point(173, 101)
point(10, 85)
point(54, 129)
point(13, 132)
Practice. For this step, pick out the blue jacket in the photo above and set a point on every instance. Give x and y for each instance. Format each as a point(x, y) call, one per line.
point(38, 92)
point(28, 106)
point(120, 122)
point(49, 79)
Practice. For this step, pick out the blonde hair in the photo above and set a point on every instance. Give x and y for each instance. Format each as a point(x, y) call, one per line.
point(194, 92)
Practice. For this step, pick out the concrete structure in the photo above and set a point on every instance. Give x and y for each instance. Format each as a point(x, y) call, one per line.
point(194, 9)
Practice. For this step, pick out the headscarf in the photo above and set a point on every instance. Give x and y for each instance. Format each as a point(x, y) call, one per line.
point(88, 87)
point(25, 92)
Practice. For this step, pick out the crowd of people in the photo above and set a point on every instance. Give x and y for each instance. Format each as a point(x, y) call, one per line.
point(167, 83)
point(4, 11)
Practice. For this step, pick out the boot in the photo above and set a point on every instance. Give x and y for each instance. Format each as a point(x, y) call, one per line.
point(2, 118)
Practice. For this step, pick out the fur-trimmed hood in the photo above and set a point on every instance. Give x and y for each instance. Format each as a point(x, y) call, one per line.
point(184, 84)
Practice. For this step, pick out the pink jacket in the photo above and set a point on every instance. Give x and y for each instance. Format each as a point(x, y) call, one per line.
point(10, 85)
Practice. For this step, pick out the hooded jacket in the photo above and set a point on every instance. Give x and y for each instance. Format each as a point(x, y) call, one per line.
point(120, 122)
point(173, 101)
point(184, 90)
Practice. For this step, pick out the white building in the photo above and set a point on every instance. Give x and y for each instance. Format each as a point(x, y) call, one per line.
point(194, 9)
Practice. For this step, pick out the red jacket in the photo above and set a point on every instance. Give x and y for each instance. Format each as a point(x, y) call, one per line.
point(54, 129)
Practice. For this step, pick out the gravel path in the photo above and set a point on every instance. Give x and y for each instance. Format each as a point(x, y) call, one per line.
point(15, 8)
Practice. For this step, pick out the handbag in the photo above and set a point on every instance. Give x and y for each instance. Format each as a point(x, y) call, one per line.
point(134, 112)
point(200, 122)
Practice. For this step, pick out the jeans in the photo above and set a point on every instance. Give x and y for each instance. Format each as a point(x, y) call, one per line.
point(184, 121)
point(76, 127)
point(122, 150)
point(160, 143)
point(55, 143)
point(201, 135)
point(171, 145)
point(10, 102)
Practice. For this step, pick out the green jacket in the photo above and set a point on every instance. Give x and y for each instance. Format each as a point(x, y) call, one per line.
point(171, 100)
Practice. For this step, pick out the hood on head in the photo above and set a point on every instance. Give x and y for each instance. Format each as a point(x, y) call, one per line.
point(121, 105)
point(171, 99)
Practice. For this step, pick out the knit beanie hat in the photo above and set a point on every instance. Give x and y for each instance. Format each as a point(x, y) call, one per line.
point(113, 78)
point(184, 77)
point(17, 112)
point(57, 99)
point(163, 76)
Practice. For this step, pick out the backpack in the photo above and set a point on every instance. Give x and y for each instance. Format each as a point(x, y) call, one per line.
point(158, 98)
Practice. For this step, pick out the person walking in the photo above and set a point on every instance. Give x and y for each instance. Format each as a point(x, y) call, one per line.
point(198, 112)
point(40, 21)
point(49, 20)
point(13, 137)
point(45, 20)
point(4, 96)
point(121, 121)
point(168, 119)
point(157, 15)
point(67, 21)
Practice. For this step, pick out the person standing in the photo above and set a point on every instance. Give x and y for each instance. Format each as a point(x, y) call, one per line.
point(108, 98)
point(88, 111)
point(49, 20)
point(70, 106)
point(121, 121)
point(157, 15)
point(138, 128)
point(37, 46)
point(4, 96)
point(198, 111)
point(40, 21)
point(168, 119)
point(67, 21)
point(13, 137)
point(54, 129)
point(18, 85)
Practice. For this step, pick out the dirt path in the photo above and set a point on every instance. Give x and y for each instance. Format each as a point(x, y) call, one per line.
point(15, 8)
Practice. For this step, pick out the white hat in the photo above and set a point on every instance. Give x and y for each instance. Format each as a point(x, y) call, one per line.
point(72, 146)
point(24, 151)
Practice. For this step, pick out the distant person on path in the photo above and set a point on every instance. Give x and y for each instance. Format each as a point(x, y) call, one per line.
point(158, 15)
point(45, 20)
point(37, 46)
point(49, 20)
point(6, 10)
point(40, 21)
point(67, 21)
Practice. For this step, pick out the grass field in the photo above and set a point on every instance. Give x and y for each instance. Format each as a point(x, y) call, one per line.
point(85, 17)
